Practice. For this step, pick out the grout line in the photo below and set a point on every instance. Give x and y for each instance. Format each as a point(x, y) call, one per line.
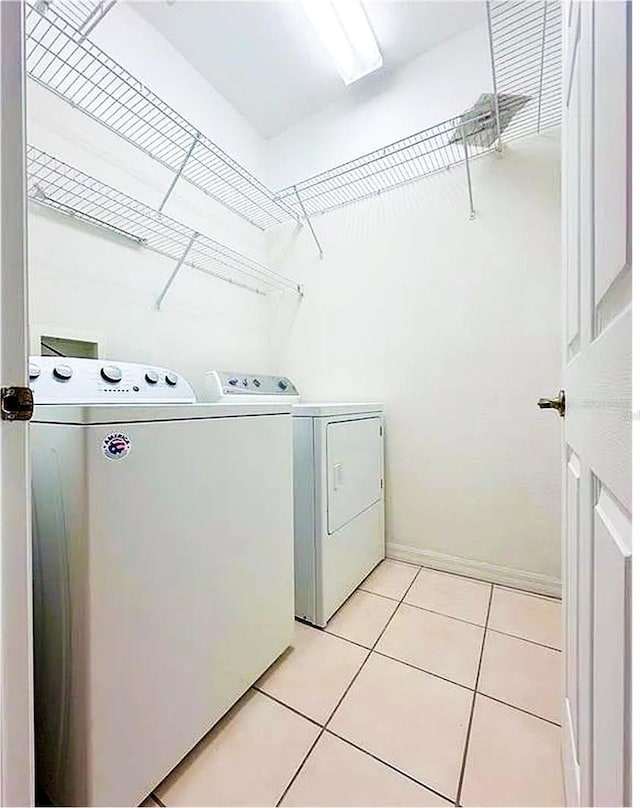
point(442, 614)
point(520, 709)
point(525, 639)
point(473, 704)
point(157, 800)
point(388, 765)
point(528, 592)
point(289, 707)
point(424, 670)
point(377, 594)
point(299, 769)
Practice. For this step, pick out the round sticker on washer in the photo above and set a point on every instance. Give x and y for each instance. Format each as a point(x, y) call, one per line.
point(116, 446)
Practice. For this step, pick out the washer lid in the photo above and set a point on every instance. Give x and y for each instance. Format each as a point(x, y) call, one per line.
point(324, 408)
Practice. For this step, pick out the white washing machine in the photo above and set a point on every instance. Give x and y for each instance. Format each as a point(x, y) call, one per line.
point(163, 569)
point(338, 475)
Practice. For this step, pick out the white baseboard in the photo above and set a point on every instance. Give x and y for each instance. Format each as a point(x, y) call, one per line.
point(518, 579)
point(570, 768)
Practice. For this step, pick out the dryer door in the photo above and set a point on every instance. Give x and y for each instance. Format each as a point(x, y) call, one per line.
point(354, 469)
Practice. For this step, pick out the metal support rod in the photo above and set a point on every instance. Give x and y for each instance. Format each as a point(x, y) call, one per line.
point(472, 211)
point(99, 13)
point(304, 213)
point(494, 80)
point(544, 36)
point(176, 269)
point(179, 171)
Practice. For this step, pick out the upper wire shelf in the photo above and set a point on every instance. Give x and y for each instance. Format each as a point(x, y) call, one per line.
point(66, 189)
point(526, 59)
point(77, 70)
point(84, 15)
point(427, 152)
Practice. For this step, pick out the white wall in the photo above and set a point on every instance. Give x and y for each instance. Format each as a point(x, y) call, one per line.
point(139, 47)
point(430, 89)
point(455, 325)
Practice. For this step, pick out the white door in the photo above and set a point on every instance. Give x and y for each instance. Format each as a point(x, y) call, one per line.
point(597, 380)
point(16, 720)
point(354, 469)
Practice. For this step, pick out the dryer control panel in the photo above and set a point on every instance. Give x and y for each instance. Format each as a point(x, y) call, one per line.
point(221, 384)
point(69, 380)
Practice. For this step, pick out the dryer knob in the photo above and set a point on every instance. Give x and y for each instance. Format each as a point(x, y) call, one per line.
point(111, 373)
point(171, 379)
point(34, 371)
point(62, 372)
point(282, 384)
point(151, 376)
point(257, 382)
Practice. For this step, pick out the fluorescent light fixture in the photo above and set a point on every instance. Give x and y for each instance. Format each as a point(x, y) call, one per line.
point(347, 36)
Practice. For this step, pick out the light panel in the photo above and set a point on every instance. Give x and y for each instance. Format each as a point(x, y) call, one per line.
point(347, 36)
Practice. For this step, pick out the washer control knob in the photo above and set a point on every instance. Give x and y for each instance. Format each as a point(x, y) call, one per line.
point(34, 371)
point(111, 373)
point(171, 379)
point(62, 372)
point(282, 384)
point(245, 382)
point(233, 382)
point(151, 377)
point(257, 382)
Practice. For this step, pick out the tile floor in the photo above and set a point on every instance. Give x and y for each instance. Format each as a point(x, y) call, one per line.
point(425, 689)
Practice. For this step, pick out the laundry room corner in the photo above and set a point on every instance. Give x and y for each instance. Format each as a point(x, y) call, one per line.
point(449, 321)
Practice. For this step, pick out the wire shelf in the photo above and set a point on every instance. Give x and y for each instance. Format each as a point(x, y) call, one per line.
point(83, 15)
point(61, 187)
point(526, 54)
point(427, 152)
point(85, 76)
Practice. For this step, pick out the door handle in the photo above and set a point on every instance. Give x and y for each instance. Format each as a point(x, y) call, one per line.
point(337, 476)
point(557, 403)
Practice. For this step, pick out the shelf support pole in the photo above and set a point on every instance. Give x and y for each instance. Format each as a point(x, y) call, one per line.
point(98, 14)
point(472, 210)
point(493, 78)
point(308, 221)
point(542, 55)
point(178, 173)
point(176, 269)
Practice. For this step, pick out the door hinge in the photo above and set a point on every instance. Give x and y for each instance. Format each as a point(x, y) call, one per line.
point(16, 403)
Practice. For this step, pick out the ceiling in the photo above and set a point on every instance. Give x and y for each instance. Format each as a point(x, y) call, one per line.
point(265, 58)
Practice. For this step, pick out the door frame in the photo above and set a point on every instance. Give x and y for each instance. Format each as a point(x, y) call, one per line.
point(16, 668)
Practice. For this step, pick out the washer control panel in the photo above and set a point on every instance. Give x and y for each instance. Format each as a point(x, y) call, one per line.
point(221, 384)
point(68, 380)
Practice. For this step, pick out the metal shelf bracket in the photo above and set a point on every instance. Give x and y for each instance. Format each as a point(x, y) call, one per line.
point(178, 173)
point(472, 210)
point(176, 269)
point(308, 221)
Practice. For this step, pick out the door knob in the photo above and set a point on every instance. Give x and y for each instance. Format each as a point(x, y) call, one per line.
point(553, 403)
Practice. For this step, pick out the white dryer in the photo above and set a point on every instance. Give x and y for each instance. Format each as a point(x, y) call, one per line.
point(163, 569)
point(338, 477)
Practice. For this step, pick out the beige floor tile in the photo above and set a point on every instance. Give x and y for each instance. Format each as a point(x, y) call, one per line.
point(313, 676)
point(435, 643)
point(513, 759)
point(408, 718)
point(149, 803)
point(451, 595)
point(390, 579)
point(529, 616)
point(522, 674)
point(362, 618)
point(249, 758)
point(336, 773)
